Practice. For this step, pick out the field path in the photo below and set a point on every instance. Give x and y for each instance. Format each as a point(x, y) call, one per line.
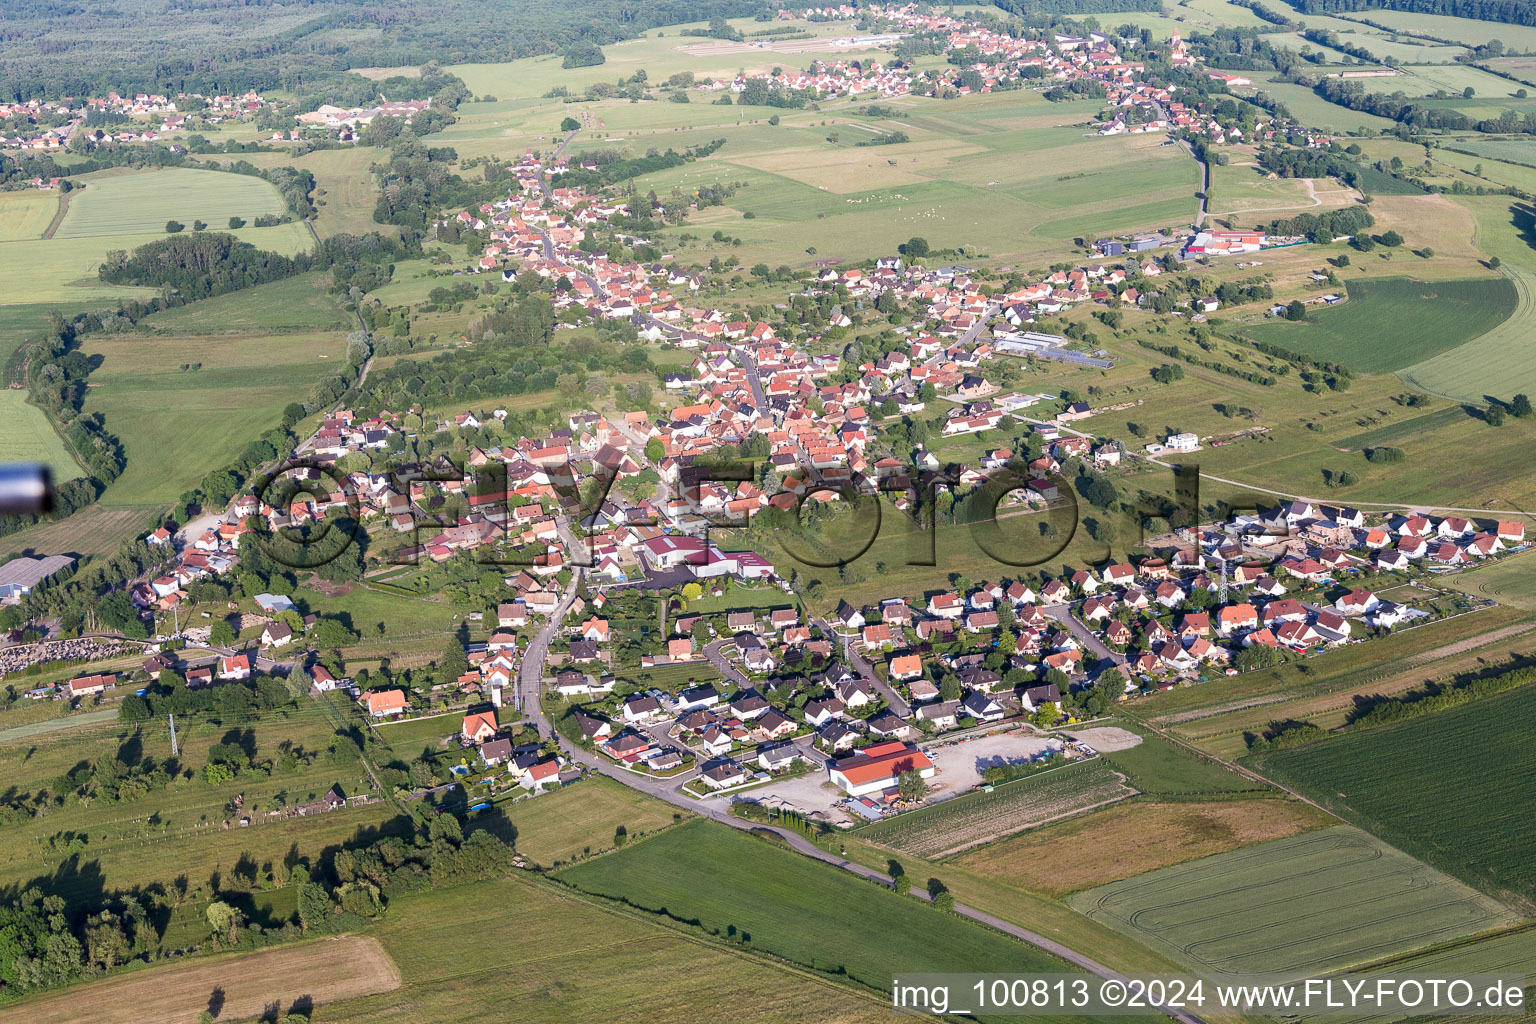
point(1313, 194)
point(324, 972)
point(58, 218)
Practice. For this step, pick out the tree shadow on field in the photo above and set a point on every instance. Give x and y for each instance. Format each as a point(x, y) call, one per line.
point(1523, 217)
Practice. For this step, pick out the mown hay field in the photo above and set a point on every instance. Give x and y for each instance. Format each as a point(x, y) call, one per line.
point(26, 214)
point(142, 202)
point(63, 269)
point(1131, 837)
point(320, 972)
point(178, 424)
point(1499, 360)
point(27, 436)
point(94, 530)
point(1370, 334)
point(555, 955)
point(1309, 903)
point(582, 820)
point(296, 303)
point(1508, 581)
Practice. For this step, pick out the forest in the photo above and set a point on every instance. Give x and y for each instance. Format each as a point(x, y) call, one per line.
point(1511, 12)
point(299, 46)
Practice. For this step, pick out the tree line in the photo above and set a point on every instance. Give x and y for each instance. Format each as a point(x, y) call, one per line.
point(1512, 12)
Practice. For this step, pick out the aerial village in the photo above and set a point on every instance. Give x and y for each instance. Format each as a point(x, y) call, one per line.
point(847, 694)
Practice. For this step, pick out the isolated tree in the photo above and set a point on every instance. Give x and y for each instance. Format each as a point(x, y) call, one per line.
point(915, 247)
point(570, 124)
point(173, 226)
point(1295, 310)
point(1391, 239)
point(1494, 415)
point(1494, 263)
point(235, 223)
point(1520, 405)
point(949, 688)
point(224, 919)
point(911, 786)
point(1047, 714)
point(221, 634)
point(453, 663)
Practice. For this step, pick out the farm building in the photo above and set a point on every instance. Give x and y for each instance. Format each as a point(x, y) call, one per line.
point(876, 768)
point(20, 575)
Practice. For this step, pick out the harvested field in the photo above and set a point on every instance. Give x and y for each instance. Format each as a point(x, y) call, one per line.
point(324, 972)
point(1120, 841)
point(959, 824)
point(94, 530)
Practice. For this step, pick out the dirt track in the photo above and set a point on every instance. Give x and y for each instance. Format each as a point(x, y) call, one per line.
point(327, 971)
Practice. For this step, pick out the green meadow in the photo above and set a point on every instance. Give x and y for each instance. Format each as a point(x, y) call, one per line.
point(27, 436)
point(1317, 901)
point(808, 913)
point(1408, 784)
point(141, 202)
point(26, 214)
point(178, 424)
point(1310, 108)
point(574, 958)
point(63, 269)
point(1370, 334)
point(302, 303)
point(345, 193)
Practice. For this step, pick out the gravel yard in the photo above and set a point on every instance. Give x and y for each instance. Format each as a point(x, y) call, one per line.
point(810, 794)
point(1108, 739)
point(961, 764)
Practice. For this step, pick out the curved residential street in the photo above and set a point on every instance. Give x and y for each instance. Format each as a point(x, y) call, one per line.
point(530, 687)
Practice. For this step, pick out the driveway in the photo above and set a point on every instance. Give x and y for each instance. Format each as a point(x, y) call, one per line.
point(810, 794)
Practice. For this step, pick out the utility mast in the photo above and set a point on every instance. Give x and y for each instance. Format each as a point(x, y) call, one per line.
point(172, 719)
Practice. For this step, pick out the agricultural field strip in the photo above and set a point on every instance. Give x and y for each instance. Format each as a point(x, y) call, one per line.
point(350, 967)
point(1422, 657)
point(1317, 901)
point(982, 817)
point(1502, 359)
point(1408, 783)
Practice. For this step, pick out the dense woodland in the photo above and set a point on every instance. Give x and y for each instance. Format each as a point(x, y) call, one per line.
point(300, 46)
point(207, 263)
point(1512, 12)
